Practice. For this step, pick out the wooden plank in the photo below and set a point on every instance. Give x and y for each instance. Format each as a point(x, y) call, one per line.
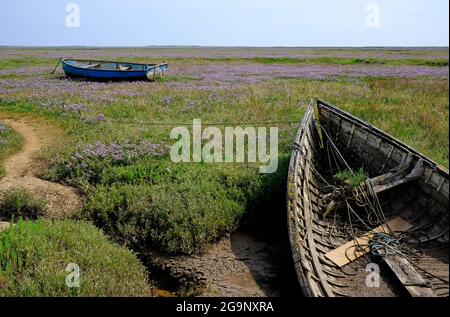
point(91, 66)
point(408, 276)
point(347, 253)
point(379, 183)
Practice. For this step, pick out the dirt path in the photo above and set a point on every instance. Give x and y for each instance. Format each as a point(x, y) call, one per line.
point(22, 167)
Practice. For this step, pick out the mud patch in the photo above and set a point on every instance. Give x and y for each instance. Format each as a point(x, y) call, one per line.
point(242, 264)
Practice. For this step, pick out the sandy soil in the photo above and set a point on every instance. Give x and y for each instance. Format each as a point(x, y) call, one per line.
point(21, 168)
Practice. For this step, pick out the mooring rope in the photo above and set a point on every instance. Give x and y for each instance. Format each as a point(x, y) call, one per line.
point(57, 64)
point(382, 244)
point(205, 123)
point(364, 197)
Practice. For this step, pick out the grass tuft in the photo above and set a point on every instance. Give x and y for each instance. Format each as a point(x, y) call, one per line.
point(34, 257)
point(351, 179)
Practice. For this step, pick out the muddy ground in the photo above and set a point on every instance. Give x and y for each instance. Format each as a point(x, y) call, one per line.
point(244, 263)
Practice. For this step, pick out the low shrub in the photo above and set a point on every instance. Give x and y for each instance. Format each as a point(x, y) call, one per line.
point(87, 164)
point(147, 201)
point(180, 210)
point(17, 203)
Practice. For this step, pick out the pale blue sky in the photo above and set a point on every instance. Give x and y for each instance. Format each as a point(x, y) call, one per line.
point(225, 23)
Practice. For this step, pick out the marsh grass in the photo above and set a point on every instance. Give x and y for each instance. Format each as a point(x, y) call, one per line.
point(176, 208)
point(182, 208)
point(25, 61)
point(34, 257)
point(322, 61)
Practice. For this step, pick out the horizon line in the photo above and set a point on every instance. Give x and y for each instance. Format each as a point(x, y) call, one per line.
point(221, 46)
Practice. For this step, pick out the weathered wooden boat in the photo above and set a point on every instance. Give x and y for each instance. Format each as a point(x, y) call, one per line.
point(384, 235)
point(110, 70)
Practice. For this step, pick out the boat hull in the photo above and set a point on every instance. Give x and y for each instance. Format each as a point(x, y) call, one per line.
point(73, 68)
point(313, 234)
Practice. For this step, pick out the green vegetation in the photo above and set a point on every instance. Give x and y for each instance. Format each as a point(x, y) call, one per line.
point(438, 62)
point(26, 61)
point(34, 257)
point(181, 208)
point(378, 61)
point(177, 208)
point(149, 201)
point(30, 60)
point(17, 203)
point(330, 61)
point(10, 142)
point(351, 179)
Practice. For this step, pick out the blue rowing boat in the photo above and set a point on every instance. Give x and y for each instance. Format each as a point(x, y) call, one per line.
point(110, 70)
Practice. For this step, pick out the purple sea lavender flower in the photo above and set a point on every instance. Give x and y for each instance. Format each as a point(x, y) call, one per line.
point(3, 128)
point(74, 108)
point(190, 106)
point(100, 117)
point(92, 120)
point(167, 100)
point(119, 152)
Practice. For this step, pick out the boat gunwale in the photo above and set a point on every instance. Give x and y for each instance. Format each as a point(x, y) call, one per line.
point(305, 286)
point(371, 129)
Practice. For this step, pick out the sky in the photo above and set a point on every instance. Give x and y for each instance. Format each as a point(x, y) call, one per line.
point(224, 22)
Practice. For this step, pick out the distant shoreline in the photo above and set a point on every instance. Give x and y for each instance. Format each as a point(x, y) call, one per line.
point(231, 47)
